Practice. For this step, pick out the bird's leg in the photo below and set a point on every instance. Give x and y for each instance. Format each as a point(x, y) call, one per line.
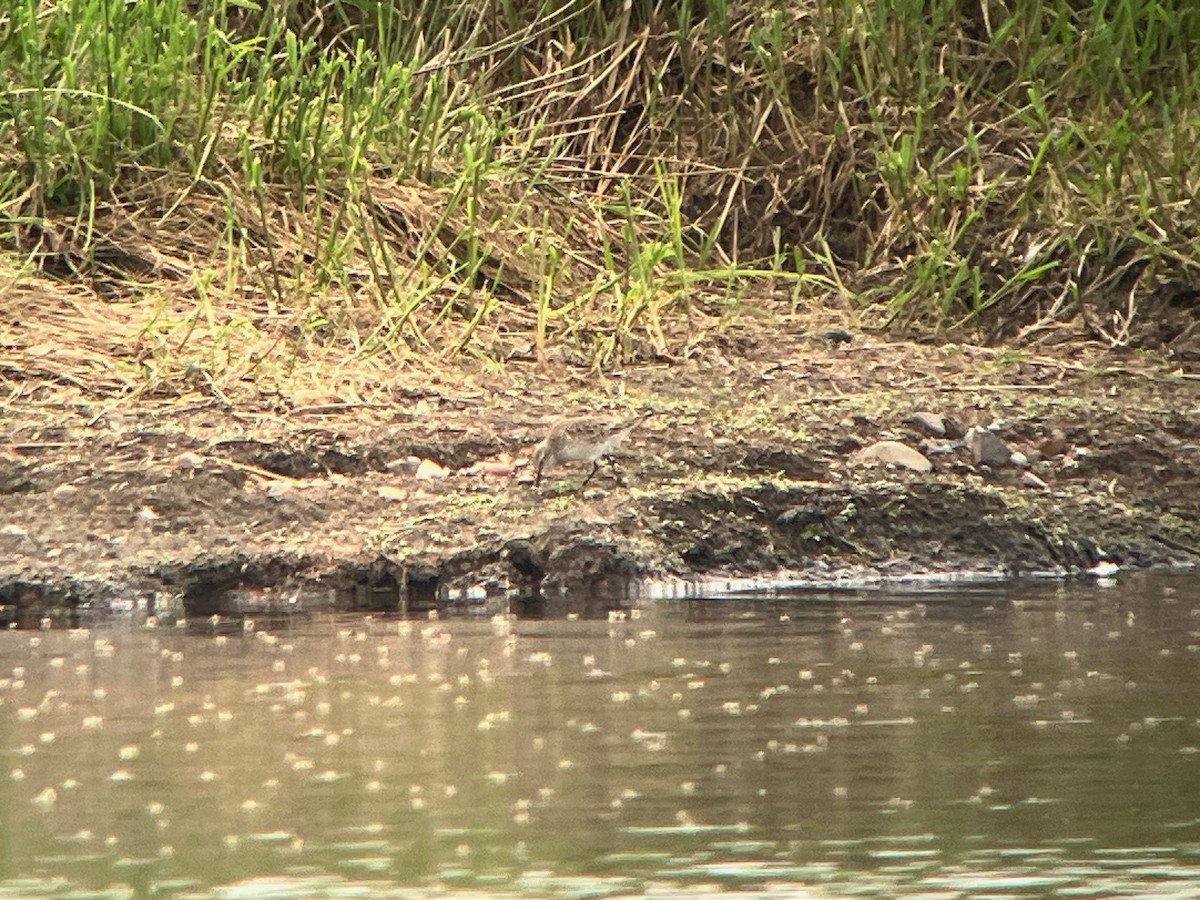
point(595, 466)
point(616, 470)
point(537, 475)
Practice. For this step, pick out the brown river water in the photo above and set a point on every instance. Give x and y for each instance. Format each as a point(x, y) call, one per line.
point(1028, 739)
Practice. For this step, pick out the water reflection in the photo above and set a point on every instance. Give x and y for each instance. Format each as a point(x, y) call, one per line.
point(1025, 739)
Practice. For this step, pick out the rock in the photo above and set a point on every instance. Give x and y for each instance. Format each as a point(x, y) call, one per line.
point(189, 460)
point(987, 449)
point(404, 466)
point(523, 557)
point(930, 423)
point(800, 517)
point(1029, 480)
point(938, 448)
point(936, 425)
point(278, 489)
point(1019, 459)
point(894, 453)
point(1081, 552)
point(498, 468)
point(503, 466)
point(1105, 568)
point(1055, 444)
point(833, 335)
point(428, 470)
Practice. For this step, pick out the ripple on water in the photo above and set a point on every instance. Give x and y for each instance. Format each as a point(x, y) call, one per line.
point(1010, 741)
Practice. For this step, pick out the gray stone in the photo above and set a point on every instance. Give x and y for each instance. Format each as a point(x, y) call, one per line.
point(939, 448)
point(930, 423)
point(987, 449)
point(800, 517)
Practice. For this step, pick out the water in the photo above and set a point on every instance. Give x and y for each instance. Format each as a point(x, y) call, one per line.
point(1022, 740)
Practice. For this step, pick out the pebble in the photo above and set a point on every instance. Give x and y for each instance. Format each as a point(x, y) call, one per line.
point(930, 423)
point(936, 425)
point(406, 465)
point(895, 453)
point(1055, 444)
point(800, 517)
point(429, 470)
point(987, 449)
point(1029, 480)
point(276, 490)
point(1105, 568)
point(189, 460)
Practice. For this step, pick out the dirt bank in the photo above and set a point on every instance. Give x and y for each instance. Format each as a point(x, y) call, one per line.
point(303, 492)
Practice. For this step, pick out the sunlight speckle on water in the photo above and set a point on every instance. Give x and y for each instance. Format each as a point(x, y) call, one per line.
point(1011, 739)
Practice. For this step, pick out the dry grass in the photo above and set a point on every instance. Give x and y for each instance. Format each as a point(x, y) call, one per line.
point(354, 184)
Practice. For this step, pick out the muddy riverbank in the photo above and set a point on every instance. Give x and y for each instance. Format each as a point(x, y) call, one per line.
point(388, 487)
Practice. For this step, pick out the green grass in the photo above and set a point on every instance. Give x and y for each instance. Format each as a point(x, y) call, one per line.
point(608, 181)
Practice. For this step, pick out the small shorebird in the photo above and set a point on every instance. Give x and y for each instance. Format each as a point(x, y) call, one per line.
point(584, 439)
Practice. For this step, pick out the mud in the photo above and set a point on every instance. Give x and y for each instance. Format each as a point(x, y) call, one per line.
point(277, 499)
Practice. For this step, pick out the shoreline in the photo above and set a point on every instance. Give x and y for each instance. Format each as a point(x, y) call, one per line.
point(747, 468)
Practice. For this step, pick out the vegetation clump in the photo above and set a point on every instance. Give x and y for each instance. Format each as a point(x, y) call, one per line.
point(592, 180)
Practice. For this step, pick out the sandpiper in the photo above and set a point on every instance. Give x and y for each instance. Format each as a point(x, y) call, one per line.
point(584, 439)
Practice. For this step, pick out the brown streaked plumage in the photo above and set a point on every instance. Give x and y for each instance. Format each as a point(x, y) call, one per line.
point(583, 439)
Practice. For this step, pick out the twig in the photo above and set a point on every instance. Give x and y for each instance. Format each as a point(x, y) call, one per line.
point(254, 470)
point(1173, 544)
point(964, 388)
point(321, 409)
